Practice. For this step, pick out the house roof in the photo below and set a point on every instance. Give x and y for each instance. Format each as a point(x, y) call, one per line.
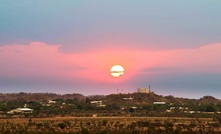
point(24, 109)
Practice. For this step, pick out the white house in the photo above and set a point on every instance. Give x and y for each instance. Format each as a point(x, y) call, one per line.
point(96, 102)
point(20, 110)
point(51, 102)
point(159, 103)
point(130, 98)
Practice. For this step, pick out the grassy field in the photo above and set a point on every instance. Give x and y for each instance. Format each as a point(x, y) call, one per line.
point(112, 125)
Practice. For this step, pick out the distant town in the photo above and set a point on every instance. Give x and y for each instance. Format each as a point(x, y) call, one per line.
point(141, 103)
point(140, 112)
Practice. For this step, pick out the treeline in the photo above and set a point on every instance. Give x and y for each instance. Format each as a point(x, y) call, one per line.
point(37, 96)
point(136, 104)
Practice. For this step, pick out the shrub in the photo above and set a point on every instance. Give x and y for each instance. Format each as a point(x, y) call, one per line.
point(62, 125)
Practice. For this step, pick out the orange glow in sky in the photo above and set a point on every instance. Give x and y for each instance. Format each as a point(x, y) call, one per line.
point(46, 62)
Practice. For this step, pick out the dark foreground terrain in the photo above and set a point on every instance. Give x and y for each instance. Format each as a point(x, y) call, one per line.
point(135, 104)
point(110, 125)
point(136, 113)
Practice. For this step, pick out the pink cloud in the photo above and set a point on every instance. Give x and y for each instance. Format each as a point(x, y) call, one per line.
point(203, 59)
point(40, 60)
point(34, 60)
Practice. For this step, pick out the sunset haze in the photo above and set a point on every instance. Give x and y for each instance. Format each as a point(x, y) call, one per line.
point(70, 46)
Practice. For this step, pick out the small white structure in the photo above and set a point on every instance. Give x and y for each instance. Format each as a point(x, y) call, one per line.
point(51, 102)
point(130, 98)
point(143, 90)
point(159, 103)
point(101, 105)
point(21, 110)
point(172, 108)
point(96, 102)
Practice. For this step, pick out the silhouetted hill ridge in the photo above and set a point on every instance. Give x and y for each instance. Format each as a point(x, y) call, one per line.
point(209, 99)
point(135, 98)
point(37, 96)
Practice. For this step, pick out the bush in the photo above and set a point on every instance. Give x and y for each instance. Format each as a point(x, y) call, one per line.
point(84, 131)
point(104, 122)
point(62, 125)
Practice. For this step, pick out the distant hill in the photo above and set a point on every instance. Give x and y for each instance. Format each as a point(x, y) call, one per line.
point(149, 98)
point(37, 96)
point(145, 98)
point(133, 98)
point(209, 99)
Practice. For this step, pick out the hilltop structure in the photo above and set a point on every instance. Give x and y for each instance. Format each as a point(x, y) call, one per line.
point(143, 90)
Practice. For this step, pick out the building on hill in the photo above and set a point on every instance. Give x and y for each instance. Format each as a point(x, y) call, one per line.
point(130, 98)
point(21, 110)
point(143, 90)
point(98, 103)
point(159, 103)
point(51, 102)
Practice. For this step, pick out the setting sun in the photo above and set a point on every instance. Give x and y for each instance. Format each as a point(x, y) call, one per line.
point(117, 71)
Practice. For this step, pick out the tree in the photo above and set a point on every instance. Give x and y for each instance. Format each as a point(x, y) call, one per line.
point(210, 109)
point(62, 125)
point(131, 110)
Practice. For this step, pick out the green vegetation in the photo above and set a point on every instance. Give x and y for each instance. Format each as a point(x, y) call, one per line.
point(133, 110)
point(104, 125)
point(136, 104)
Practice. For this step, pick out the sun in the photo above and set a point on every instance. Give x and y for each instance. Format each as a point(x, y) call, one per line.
point(117, 70)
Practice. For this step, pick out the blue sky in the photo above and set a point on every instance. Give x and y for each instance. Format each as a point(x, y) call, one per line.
point(85, 27)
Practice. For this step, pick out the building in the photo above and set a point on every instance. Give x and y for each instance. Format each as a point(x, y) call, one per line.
point(130, 98)
point(159, 103)
point(51, 102)
point(21, 110)
point(143, 90)
point(96, 102)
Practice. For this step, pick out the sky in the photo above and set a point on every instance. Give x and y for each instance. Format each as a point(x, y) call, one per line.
point(70, 46)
